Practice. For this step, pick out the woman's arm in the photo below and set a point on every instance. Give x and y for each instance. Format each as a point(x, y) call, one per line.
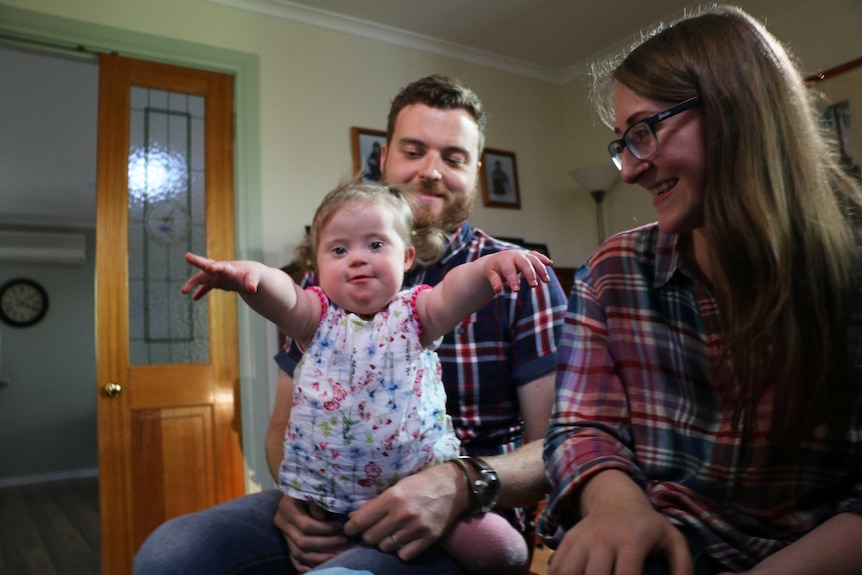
point(467, 288)
point(618, 530)
point(833, 548)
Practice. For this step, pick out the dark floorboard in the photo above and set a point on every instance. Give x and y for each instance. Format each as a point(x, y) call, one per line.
point(50, 528)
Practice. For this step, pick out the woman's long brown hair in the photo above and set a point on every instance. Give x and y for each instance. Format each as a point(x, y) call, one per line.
point(780, 214)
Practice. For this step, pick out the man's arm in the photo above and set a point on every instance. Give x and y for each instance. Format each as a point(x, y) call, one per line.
point(522, 472)
point(278, 424)
point(424, 506)
point(536, 400)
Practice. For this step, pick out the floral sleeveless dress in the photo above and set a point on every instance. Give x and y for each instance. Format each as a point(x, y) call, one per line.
point(369, 407)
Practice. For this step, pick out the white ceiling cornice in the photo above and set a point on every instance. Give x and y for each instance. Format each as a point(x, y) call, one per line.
point(330, 20)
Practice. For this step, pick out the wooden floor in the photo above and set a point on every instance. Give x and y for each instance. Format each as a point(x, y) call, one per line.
point(541, 555)
point(51, 528)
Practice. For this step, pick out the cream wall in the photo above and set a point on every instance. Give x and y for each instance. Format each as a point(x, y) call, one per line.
point(314, 84)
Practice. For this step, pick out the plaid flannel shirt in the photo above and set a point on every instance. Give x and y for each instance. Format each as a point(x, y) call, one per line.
point(641, 388)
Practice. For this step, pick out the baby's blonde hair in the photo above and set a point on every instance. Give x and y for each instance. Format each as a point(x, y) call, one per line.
point(428, 241)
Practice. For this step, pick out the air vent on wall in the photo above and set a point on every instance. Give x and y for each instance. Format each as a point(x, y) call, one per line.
point(42, 247)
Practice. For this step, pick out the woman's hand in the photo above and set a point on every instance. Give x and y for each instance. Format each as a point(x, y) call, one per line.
point(618, 531)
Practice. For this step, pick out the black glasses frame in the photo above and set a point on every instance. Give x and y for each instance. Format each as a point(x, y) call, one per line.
point(615, 148)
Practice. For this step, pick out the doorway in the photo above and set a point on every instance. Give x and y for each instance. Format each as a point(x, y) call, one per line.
point(48, 432)
point(21, 24)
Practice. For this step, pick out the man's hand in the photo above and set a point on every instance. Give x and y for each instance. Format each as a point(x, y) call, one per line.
point(417, 511)
point(312, 537)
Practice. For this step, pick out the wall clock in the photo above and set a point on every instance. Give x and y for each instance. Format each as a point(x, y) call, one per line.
point(23, 302)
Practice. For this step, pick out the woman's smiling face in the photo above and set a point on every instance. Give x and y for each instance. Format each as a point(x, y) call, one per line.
point(675, 175)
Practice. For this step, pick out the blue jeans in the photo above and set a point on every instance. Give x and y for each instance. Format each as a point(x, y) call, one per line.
point(239, 538)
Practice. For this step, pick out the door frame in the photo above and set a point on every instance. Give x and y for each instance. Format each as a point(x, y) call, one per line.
point(39, 28)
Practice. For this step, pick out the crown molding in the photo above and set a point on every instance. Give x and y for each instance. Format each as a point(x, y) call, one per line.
point(332, 21)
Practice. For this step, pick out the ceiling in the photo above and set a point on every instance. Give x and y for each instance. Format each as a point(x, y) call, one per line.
point(545, 38)
point(48, 100)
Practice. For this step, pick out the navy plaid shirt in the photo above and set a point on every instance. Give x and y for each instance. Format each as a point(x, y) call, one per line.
point(508, 343)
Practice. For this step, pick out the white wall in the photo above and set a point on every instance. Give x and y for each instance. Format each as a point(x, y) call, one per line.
point(48, 410)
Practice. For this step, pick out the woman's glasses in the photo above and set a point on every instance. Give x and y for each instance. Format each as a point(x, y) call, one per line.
point(640, 138)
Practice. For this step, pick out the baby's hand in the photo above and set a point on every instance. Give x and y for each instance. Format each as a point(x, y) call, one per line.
point(239, 276)
point(506, 265)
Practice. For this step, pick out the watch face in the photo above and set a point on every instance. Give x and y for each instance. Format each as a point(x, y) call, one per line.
point(492, 488)
point(23, 302)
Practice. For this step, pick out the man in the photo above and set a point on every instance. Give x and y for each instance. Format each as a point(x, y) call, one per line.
point(498, 368)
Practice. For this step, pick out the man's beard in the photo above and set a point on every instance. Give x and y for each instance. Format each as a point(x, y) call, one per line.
point(456, 209)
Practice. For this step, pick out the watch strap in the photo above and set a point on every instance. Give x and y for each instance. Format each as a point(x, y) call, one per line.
point(485, 489)
point(473, 503)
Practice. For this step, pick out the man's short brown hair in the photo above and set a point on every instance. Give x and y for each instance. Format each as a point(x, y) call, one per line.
point(443, 93)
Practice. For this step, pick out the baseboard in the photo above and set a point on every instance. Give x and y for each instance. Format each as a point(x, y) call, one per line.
point(49, 477)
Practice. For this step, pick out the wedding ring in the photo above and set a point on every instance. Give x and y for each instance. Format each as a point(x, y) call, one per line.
point(395, 541)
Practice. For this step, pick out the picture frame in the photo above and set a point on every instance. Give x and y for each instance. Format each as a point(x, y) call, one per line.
point(499, 175)
point(536, 246)
point(366, 145)
point(840, 91)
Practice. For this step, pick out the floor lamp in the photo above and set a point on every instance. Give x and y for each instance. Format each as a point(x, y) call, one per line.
point(596, 179)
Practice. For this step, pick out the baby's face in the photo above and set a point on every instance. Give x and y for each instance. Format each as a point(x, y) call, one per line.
point(361, 258)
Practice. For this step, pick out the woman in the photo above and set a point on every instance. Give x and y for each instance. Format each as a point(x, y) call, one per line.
point(707, 415)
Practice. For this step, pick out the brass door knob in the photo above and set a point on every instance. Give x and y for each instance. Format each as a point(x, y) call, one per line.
point(113, 389)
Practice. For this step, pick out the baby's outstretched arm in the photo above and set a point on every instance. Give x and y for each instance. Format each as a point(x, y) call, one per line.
point(467, 288)
point(238, 276)
point(505, 267)
point(268, 291)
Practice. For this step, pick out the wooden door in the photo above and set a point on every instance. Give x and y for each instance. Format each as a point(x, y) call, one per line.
point(167, 369)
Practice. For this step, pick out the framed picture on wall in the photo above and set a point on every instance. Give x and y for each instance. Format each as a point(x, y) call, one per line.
point(840, 88)
point(366, 146)
point(499, 177)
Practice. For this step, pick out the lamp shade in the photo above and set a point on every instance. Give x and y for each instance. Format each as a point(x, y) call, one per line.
point(595, 177)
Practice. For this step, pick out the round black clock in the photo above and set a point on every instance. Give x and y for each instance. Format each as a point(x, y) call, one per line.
point(23, 302)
